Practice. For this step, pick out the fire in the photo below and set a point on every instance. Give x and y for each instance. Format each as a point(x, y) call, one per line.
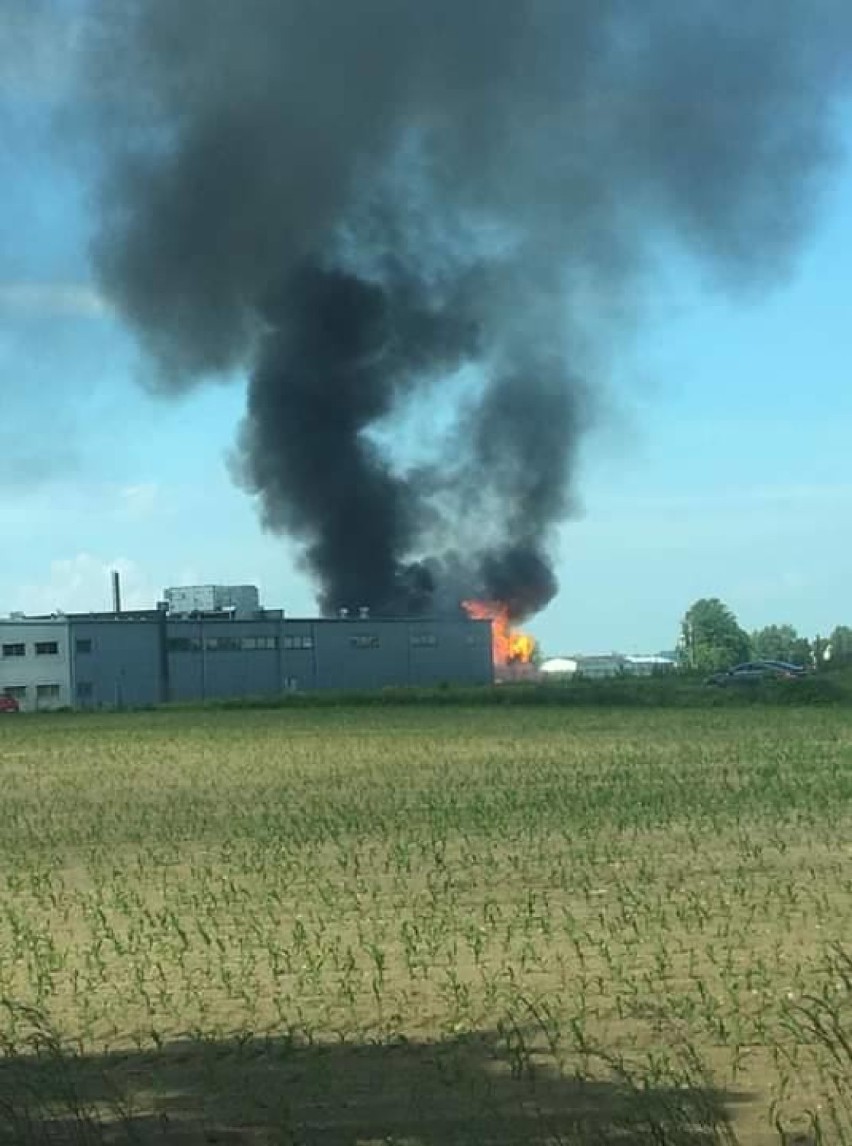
point(511, 646)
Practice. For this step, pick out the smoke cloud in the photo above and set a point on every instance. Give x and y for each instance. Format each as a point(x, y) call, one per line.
point(382, 210)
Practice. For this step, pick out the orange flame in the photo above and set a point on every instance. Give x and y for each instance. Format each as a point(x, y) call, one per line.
point(510, 646)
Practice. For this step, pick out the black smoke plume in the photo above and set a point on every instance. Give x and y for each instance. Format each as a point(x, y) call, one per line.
point(384, 210)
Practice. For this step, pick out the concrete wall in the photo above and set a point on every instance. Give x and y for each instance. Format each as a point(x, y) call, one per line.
point(39, 680)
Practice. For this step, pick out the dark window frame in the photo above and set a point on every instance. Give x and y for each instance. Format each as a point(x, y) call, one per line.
point(424, 640)
point(264, 644)
point(298, 642)
point(227, 644)
point(183, 645)
point(365, 641)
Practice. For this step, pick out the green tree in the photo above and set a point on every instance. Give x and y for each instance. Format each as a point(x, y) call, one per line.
point(780, 643)
point(802, 652)
point(711, 637)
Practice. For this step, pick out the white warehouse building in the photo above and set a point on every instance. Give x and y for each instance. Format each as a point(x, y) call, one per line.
point(610, 664)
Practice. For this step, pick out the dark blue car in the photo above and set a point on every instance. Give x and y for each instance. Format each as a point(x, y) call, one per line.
point(755, 672)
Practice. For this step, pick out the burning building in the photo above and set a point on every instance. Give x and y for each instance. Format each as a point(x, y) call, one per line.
point(509, 646)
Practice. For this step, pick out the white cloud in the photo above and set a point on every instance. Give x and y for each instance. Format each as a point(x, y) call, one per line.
point(139, 501)
point(57, 298)
point(82, 583)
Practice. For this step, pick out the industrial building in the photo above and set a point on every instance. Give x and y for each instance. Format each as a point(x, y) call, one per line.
point(179, 653)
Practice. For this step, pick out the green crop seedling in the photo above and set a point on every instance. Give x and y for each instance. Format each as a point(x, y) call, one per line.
point(427, 924)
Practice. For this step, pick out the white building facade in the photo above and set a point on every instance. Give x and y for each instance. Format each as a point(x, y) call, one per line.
point(35, 662)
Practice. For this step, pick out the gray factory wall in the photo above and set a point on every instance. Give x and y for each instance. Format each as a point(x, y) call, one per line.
point(213, 659)
point(135, 660)
point(451, 652)
point(116, 662)
point(361, 654)
point(299, 656)
point(374, 654)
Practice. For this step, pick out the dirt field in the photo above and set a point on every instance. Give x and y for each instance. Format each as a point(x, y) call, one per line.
point(427, 925)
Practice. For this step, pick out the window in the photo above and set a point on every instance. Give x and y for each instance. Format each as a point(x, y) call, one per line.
point(183, 645)
point(85, 690)
point(46, 649)
point(18, 691)
point(83, 645)
point(251, 644)
point(423, 640)
point(223, 644)
point(47, 691)
point(365, 641)
point(14, 650)
point(300, 642)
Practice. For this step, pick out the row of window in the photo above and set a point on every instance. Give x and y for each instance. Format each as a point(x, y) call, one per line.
point(42, 649)
point(246, 644)
point(236, 644)
point(298, 642)
point(371, 641)
point(42, 691)
point(85, 690)
point(83, 645)
point(45, 648)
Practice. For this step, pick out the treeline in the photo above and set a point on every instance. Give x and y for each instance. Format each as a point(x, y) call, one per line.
point(712, 638)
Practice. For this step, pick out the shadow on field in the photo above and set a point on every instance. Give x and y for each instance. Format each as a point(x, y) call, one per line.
point(471, 1089)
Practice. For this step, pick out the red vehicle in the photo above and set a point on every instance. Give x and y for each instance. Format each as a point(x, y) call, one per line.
point(9, 704)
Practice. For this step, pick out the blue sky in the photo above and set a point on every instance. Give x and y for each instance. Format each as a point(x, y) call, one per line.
point(722, 469)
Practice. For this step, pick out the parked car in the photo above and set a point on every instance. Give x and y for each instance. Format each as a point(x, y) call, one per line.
point(756, 672)
point(9, 704)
